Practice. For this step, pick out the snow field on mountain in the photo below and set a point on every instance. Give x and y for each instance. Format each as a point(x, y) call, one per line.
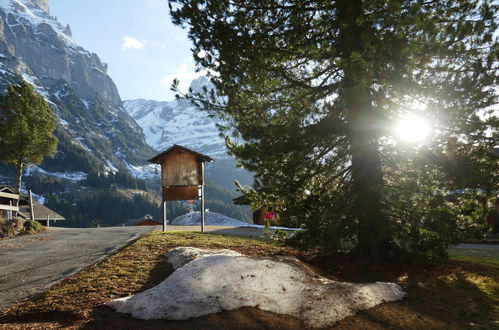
point(211, 281)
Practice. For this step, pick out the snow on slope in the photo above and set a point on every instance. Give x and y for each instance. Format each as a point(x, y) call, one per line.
point(211, 219)
point(178, 122)
point(24, 9)
point(230, 281)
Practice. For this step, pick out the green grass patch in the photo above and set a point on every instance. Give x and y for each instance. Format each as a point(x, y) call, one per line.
point(488, 257)
point(33, 226)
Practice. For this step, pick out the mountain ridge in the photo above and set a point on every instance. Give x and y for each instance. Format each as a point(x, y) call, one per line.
point(165, 123)
point(35, 47)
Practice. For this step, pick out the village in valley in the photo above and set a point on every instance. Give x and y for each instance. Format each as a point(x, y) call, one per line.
point(249, 164)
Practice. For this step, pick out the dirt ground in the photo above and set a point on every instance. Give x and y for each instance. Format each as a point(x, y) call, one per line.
point(456, 295)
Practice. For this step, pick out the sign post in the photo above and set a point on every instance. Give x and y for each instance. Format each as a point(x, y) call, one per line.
point(164, 216)
point(182, 177)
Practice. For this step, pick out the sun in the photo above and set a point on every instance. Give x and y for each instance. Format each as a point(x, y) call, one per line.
point(412, 129)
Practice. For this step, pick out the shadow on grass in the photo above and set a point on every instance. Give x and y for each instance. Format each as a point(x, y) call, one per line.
point(433, 301)
point(62, 318)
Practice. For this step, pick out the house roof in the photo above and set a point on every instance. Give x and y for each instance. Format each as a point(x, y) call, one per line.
point(176, 147)
point(41, 212)
point(7, 189)
point(8, 193)
point(133, 222)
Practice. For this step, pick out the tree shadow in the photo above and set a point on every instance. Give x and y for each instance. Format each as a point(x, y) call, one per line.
point(62, 318)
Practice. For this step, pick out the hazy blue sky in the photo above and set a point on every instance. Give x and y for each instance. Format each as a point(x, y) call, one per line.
point(136, 38)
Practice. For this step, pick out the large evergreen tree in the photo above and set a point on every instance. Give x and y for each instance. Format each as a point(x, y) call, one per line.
point(310, 92)
point(27, 124)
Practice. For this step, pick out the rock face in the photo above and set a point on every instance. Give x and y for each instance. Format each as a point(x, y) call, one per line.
point(40, 4)
point(178, 122)
point(37, 48)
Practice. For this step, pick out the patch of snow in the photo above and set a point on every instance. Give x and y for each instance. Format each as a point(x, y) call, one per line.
point(211, 219)
point(179, 122)
point(111, 167)
point(36, 17)
point(70, 176)
point(143, 172)
point(217, 219)
point(39, 198)
point(215, 281)
point(86, 103)
point(183, 255)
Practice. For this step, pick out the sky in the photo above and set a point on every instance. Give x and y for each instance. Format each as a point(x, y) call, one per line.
point(143, 49)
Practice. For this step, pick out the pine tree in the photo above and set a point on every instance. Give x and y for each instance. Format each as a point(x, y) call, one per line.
point(310, 90)
point(27, 124)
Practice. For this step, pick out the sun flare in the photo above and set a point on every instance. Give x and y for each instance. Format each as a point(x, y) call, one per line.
point(412, 129)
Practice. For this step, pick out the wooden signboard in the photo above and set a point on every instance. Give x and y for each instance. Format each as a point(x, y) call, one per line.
point(180, 169)
point(182, 176)
point(181, 193)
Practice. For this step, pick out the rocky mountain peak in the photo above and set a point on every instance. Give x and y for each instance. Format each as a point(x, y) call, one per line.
point(37, 4)
point(199, 85)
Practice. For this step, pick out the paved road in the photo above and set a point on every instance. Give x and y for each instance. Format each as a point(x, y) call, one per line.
point(31, 264)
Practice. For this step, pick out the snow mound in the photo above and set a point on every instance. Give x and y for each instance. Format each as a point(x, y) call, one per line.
point(211, 219)
point(183, 255)
point(220, 280)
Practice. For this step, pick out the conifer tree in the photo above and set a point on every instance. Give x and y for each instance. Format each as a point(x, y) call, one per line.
point(27, 124)
point(310, 92)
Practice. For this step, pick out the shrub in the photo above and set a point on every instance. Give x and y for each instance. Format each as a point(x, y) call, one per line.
point(32, 226)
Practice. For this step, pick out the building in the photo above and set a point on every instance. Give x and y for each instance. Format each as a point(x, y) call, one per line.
point(42, 214)
point(259, 215)
point(8, 200)
point(146, 220)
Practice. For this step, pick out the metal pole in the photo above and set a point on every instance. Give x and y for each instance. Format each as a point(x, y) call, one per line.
point(202, 198)
point(32, 213)
point(164, 216)
point(48, 221)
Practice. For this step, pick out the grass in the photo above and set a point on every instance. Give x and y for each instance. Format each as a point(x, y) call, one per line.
point(488, 257)
point(456, 295)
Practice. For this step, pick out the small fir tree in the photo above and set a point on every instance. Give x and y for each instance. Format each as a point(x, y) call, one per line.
point(27, 124)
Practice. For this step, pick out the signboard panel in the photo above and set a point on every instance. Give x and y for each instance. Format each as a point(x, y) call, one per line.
point(180, 169)
point(181, 193)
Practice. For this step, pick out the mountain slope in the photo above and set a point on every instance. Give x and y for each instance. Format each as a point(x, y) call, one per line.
point(97, 134)
point(178, 122)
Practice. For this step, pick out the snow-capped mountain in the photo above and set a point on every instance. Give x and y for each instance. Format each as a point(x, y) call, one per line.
point(95, 133)
point(178, 122)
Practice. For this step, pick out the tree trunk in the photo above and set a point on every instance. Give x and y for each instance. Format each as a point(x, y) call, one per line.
point(374, 232)
point(19, 176)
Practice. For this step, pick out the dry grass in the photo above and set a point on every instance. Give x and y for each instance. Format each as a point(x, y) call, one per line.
point(457, 295)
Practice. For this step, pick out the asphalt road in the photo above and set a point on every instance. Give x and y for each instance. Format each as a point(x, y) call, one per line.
point(31, 264)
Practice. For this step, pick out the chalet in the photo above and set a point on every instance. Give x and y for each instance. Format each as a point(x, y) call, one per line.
point(42, 214)
point(259, 215)
point(8, 200)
